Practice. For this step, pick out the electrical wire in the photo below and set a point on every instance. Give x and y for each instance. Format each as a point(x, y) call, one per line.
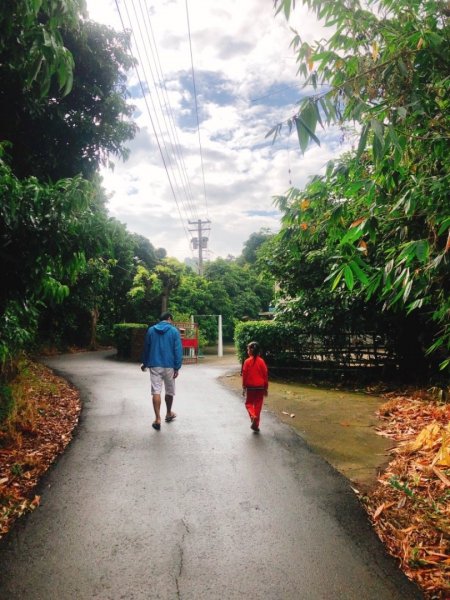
point(196, 106)
point(151, 118)
point(164, 133)
point(169, 111)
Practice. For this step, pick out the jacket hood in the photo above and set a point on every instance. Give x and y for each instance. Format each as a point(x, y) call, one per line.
point(162, 327)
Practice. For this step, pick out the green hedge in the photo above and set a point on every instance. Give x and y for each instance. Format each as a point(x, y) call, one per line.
point(270, 335)
point(286, 346)
point(123, 337)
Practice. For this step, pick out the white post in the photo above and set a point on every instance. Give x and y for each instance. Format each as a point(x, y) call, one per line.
point(191, 350)
point(220, 344)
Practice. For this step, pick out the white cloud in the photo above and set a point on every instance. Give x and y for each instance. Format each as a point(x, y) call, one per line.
point(241, 53)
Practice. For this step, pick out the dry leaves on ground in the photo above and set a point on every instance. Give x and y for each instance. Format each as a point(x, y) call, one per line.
point(29, 446)
point(410, 506)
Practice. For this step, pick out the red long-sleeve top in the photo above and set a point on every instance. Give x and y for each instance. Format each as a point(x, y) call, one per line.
point(255, 374)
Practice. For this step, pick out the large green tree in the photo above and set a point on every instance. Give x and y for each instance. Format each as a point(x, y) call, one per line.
point(40, 247)
point(32, 48)
point(249, 292)
point(64, 134)
point(386, 67)
point(58, 117)
point(253, 245)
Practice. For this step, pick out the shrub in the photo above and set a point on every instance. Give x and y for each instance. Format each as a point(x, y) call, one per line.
point(123, 337)
point(270, 335)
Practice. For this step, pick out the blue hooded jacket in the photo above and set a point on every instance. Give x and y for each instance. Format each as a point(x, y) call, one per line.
point(162, 347)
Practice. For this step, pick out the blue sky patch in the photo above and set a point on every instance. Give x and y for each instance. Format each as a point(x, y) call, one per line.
point(262, 213)
point(211, 87)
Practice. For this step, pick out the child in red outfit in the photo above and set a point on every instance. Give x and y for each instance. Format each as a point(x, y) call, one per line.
point(255, 383)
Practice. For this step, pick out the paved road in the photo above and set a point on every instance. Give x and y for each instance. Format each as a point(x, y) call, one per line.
point(203, 509)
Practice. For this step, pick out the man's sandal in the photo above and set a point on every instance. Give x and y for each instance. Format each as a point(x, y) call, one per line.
point(170, 418)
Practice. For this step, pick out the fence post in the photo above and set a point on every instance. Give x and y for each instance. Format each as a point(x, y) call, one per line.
point(220, 344)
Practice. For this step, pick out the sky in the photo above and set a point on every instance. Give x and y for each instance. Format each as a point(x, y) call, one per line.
point(202, 155)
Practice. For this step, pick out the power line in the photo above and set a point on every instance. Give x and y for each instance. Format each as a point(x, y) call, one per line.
point(151, 119)
point(167, 115)
point(196, 105)
point(170, 157)
point(162, 119)
point(170, 113)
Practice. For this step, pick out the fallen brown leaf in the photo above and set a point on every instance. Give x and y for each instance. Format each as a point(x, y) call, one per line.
point(410, 505)
point(25, 456)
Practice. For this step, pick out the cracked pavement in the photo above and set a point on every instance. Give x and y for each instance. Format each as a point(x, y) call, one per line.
point(202, 510)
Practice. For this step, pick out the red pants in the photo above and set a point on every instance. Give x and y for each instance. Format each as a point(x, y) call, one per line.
point(253, 404)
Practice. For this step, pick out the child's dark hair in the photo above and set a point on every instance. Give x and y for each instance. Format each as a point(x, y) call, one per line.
point(256, 352)
point(255, 347)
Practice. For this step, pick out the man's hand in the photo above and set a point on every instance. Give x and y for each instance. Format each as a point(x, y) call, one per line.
point(175, 373)
point(143, 368)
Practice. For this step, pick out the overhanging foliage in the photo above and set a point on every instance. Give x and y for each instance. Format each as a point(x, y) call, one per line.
point(381, 214)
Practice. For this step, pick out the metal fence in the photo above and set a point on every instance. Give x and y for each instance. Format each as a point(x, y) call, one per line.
point(351, 353)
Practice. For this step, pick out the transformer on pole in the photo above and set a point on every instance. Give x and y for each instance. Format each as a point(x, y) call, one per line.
point(200, 242)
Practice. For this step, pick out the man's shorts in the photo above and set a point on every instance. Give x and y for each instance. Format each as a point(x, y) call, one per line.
point(158, 375)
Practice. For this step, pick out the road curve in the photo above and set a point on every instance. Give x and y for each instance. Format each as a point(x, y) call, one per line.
point(202, 510)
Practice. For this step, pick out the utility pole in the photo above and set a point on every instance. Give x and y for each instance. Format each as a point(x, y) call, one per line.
point(200, 242)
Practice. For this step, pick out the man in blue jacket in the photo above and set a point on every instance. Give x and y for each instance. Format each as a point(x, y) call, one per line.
point(163, 354)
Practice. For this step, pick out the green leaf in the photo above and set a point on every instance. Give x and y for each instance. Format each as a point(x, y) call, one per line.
point(272, 132)
point(359, 273)
point(389, 266)
point(444, 226)
point(407, 290)
point(362, 140)
point(305, 127)
point(422, 250)
point(349, 278)
point(354, 233)
point(378, 129)
point(444, 364)
point(337, 277)
point(416, 304)
point(377, 148)
point(302, 132)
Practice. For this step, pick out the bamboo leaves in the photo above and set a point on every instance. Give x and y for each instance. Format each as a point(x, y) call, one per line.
point(387, 223)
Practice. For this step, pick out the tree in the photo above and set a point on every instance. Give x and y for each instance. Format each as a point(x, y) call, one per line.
point(252, 246)
point(145, 296)
point(32, 49)
point(169, 272)
point(248, 292)
point(115, 285)
point(40, 232)
point(66, 134)
point(386, 68)
point(51, 228)
point(144, 251)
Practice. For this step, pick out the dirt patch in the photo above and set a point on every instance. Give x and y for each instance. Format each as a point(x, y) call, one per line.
point(338, 425)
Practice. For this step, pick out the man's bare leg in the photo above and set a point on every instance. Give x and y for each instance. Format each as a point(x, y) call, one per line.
point(170, 416)
point(156, 398)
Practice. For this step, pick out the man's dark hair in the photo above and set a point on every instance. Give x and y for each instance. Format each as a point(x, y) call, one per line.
point(165, 316)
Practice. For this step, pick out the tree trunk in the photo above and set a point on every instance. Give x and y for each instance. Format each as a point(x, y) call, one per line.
point(94, 321)
point(164, 300)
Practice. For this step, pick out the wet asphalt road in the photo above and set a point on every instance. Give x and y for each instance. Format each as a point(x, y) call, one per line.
point(203, 509)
